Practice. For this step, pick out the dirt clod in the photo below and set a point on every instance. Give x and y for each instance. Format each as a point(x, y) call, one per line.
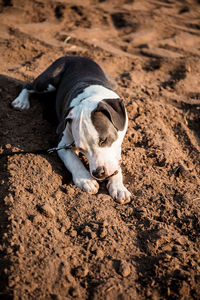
point(124, 268)
point(21, 249)
point(47, 210)
point(81, 271)
point(37, 219)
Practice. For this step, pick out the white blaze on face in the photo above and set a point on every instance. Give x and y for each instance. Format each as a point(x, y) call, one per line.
point(83, 131)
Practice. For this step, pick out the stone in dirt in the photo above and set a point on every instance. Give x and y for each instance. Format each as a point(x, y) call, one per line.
point(124, 268)
point(47, 210)
point(81, 271)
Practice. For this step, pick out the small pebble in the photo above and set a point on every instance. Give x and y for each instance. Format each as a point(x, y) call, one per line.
point(21, 249)
point(93, 235)
point(74, 291)
point(100, 254)
point(81, 271)
point(48, 211)
point(20, 221)
point(27, 223)
point(58, 195)
point(184, 171)
point(124, 268)
point(17, 279)
point(73, 233)
point(8, 200)
point(37, 253)
point(62, 229)
point(65, 222)
point(37, 219)
point(103, 232)
point(106, 197)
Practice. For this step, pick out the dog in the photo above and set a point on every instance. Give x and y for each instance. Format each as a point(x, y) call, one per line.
point(90, 114)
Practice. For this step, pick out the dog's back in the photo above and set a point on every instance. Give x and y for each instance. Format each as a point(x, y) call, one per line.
point(78, 74)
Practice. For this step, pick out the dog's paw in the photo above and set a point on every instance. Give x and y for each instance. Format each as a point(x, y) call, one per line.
point(87, 183)
point(118, 192)
point(21, 103)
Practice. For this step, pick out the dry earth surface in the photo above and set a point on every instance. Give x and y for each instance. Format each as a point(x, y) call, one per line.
point(57, 242)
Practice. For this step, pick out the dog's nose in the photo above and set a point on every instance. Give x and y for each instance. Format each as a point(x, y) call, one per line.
point(99, 172)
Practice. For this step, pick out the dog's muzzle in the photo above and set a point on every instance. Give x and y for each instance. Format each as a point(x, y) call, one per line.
point(101, 174)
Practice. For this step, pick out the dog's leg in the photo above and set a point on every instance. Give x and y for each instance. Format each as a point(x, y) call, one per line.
point(22, 101)
point(117, 189)
point(44, 83)
point(81, 177)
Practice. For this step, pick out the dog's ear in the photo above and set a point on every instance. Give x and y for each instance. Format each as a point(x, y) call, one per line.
point(69, 114)
point(114, 109)
point(67, 117)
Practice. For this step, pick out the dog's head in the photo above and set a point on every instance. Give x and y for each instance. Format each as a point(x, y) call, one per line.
point(98, 131)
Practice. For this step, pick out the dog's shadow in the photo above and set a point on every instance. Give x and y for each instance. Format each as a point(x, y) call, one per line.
point(33, 129)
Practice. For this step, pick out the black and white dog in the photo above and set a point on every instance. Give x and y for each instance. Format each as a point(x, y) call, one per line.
point(92, 115)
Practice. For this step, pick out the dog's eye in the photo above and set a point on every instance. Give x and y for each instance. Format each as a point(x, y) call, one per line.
point(102, 142)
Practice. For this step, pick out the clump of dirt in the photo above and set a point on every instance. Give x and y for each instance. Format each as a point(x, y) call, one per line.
point(57, 242)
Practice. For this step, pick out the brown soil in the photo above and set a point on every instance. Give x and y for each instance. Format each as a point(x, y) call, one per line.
point(59, 242)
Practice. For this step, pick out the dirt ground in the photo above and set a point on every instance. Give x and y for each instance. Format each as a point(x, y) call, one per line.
point(57, 242)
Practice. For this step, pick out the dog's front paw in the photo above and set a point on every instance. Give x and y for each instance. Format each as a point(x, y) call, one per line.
point(86, 183)
point(118, 192)
point(21, 103)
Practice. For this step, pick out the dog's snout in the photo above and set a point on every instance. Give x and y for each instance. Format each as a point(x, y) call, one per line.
point(99, 172)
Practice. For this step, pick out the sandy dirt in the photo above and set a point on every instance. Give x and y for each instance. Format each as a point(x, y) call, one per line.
point(57, 242)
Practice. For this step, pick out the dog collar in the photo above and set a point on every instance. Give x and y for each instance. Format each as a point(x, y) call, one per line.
point(65, 146)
